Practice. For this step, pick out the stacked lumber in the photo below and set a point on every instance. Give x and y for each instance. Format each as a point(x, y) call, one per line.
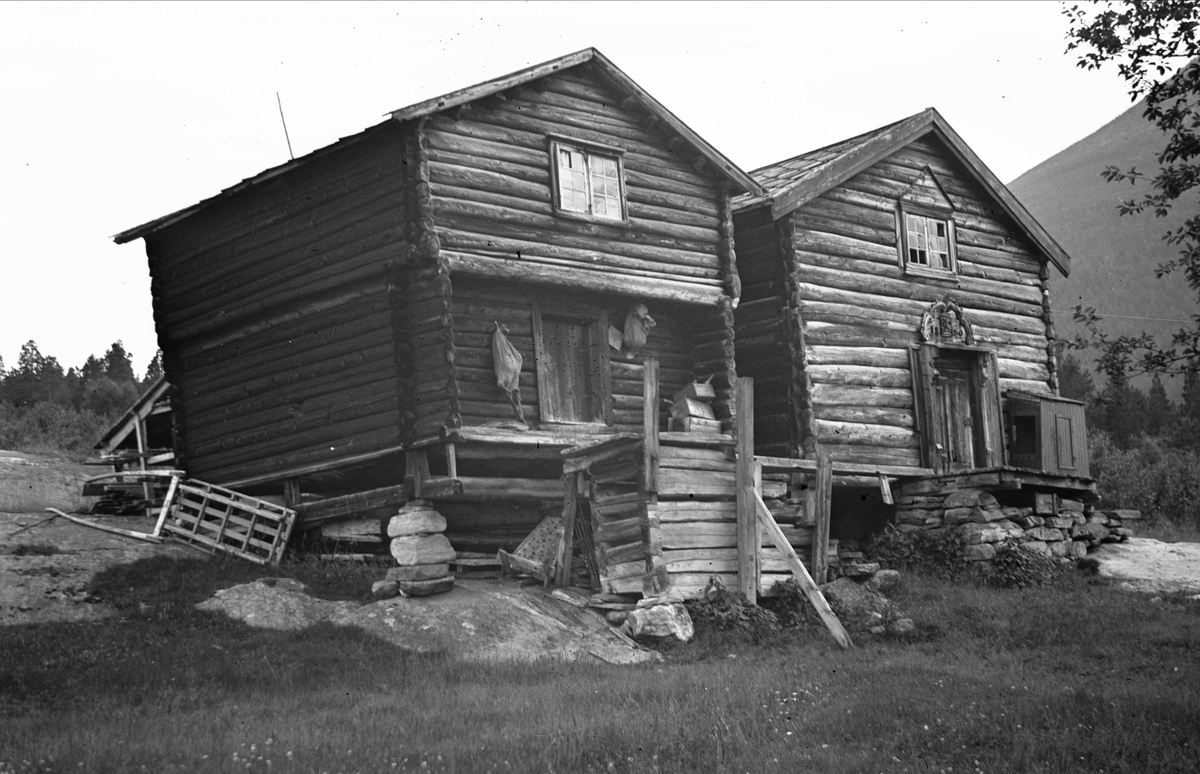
point(1052, 525)
point(422, 553)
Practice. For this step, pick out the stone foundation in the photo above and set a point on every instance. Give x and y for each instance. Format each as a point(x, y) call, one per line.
point(1052, 525)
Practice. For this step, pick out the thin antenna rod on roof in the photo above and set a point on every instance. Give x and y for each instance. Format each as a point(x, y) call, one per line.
point(285, 131)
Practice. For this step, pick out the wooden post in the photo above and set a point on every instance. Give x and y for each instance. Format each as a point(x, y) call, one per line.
point(291, 493)
point(451, 461)
point(567, 545)
point(824, 505)
point(139, 426)
point(650, 426)
point(747, 523)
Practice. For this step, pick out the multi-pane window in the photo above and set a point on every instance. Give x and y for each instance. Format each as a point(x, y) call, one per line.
point(928, 242)
point(589, 182)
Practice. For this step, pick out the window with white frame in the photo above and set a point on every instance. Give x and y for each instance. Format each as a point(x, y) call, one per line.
point(927, 241)
point(588, 181)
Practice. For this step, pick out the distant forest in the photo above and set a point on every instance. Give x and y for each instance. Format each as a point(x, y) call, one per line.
point(46, 409)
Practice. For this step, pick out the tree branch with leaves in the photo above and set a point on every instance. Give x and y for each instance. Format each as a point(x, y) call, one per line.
point(1154, 46)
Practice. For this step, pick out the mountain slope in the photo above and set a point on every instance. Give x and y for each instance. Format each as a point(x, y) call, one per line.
point(1113, 257)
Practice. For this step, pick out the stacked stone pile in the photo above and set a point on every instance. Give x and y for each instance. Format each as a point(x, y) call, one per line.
point(422, 553)
point(1064, 528)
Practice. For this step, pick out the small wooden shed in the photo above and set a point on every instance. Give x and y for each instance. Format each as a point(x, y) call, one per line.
point(450, 298)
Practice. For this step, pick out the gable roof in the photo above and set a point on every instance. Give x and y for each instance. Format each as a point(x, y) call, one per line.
point(794, 182)
point(742, 182)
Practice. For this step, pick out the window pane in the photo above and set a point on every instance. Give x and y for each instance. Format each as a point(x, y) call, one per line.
point(606, 187)
point(572, 180)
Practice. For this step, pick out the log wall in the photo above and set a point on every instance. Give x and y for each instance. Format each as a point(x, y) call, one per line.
point(490, 174)
point(761, 331)
point(861, 311)
point(477, 306)
point(274, 315)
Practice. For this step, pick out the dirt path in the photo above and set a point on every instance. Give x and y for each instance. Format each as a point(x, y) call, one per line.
point(1152, 566)
point(45, 568)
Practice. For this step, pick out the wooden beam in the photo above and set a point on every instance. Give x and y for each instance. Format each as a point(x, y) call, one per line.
point(824, 508)
point(747, 524)
point(650, 425)
point(811, 590)
point(844, 468)
point(309, 515)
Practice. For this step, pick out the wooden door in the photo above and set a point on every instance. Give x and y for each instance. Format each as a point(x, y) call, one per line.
point(955, 393)
point(572, 366)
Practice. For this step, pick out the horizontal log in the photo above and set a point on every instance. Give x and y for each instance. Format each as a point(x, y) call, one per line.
point(665, 290)
point(842, 433)
point(861, 395)
point(875, 415)
point(864, 376)
point(876, 357)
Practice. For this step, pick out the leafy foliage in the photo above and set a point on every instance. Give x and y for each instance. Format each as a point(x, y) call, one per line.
point(725, 610)
point(935, 553)
point(1151, 476)
point(43, 408)
point(1016, 566)
point(1151, 42)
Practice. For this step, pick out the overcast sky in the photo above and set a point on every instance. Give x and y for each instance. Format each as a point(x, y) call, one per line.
point(115, 114)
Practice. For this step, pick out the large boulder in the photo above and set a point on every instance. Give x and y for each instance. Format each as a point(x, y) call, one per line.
point(670, 620)
point(1044, 534)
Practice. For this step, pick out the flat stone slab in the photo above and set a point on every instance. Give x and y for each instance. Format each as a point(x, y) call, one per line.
point(478, 620)
point(1151, 566)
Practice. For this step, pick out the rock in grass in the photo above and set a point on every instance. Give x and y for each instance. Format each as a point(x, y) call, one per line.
point(419, 572)
point(671, 620)
point(385, 589)
point(1078, 549)
point(422, 549)
point(884, 581)
point(902, 626)
point(852, 600)
point(425, 588)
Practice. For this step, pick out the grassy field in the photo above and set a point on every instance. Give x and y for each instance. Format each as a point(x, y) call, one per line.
point(1076, 677)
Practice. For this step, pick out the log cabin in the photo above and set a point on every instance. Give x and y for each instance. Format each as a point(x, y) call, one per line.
point(439, 305)
point(896, 313)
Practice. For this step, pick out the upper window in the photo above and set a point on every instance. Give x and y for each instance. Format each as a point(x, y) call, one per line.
point(588, 181)
point(927, 242)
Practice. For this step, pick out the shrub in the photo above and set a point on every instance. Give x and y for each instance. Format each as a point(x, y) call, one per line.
point(938, 553)
point(50, 427)
point(1016, 566)
point(1160, 481)
point(724, 610)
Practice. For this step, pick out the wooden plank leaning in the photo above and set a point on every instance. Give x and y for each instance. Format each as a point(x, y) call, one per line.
point(815, 597)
